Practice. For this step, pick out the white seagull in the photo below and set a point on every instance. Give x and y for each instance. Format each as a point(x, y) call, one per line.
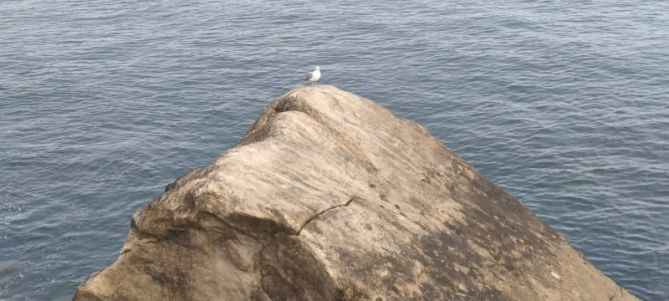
point(314, 76)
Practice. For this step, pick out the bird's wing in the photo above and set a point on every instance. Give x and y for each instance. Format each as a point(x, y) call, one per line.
point(310, 75)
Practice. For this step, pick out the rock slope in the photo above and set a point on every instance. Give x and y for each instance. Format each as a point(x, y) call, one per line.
point(330, 196)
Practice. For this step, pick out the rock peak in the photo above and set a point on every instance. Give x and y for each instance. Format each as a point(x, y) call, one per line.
point(330, 196)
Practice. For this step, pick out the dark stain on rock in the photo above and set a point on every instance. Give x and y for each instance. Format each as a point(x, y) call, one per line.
point(290, 272)
point(262, 227)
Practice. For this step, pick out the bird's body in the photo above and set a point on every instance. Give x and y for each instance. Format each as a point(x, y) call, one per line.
point(314, 76)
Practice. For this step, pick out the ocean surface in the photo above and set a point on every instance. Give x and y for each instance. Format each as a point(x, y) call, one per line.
point(102, 103)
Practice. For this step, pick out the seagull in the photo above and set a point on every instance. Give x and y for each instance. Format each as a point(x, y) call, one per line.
point(314, 76)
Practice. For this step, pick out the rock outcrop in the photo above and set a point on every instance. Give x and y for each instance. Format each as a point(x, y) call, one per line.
point(330, 196)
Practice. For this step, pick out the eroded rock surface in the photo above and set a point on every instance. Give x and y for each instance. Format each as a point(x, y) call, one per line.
point(330, 196)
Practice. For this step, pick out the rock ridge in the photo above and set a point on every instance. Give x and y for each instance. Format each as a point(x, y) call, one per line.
point(330, 196)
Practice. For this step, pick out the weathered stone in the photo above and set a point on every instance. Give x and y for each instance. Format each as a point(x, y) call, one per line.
point(330, 196)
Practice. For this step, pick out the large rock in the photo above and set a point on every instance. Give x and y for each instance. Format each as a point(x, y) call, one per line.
point(330, 196)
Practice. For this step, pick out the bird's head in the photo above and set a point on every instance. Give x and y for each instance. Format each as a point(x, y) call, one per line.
point(318, 68)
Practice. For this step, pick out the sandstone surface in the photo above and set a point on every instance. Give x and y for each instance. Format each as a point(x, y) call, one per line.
point(330, 196)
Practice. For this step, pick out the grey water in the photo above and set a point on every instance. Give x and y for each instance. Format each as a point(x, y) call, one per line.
point(102, 103)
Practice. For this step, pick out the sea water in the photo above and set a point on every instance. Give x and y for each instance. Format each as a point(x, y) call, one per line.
point(565, 104)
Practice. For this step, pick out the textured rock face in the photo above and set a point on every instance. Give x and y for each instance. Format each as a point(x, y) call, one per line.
point(330, 196)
